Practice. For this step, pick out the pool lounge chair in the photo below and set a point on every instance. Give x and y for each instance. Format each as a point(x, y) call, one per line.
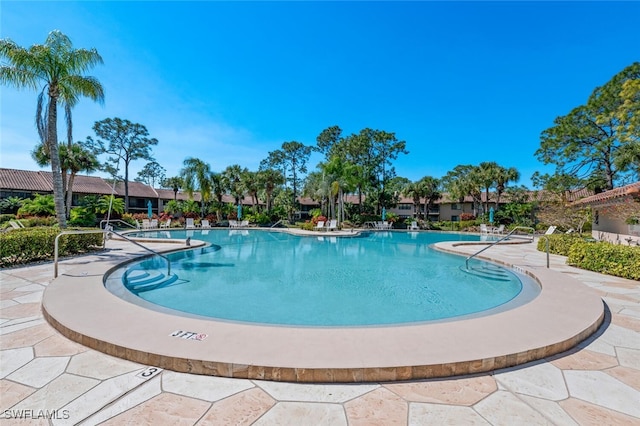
point(233, 224)
point(244, 224)
point(413, 226)
point(205, 224)
point(320, 225)
point(146, 224)
point(16, 224)
point(154, 224)
point(190, 224)
point(333, 224)
point(166, 224)
point(483, 229)
point(551, 230)
point(498, 230)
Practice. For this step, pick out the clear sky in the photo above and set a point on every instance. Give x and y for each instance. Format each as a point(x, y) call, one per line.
point(227, 82)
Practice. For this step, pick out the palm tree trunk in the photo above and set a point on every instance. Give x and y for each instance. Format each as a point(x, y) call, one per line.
point(72, 177)
point(56, 170)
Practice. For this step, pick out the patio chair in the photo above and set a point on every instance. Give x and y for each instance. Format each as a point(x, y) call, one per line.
point(244, 224)
point(551, 230)
point(233, 224)
point(15, 225)
point(205, 224)
point(166, 224)
point(333, 224)
point(154, 224)
point(190, 224)
point(320, 225)
point(483, 229)
point(498, 230)
point(146, 224)
point(414, 226)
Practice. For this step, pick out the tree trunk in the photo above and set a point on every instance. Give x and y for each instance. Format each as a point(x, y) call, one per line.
point(56, 170)
point(72, 177)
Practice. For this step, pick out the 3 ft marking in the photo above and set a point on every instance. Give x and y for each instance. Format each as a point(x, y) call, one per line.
point(149, 372)
point(189, 335)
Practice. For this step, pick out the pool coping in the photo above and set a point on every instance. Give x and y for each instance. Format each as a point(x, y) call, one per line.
point(565, 313)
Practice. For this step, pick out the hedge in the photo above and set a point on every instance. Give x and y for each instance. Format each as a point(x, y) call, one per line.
point(20, 246)
point(612, 259)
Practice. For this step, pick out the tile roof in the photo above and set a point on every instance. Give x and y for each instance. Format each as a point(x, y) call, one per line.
point(85, 184)
point(24, 180)
point(137, 189)
point(632, 189)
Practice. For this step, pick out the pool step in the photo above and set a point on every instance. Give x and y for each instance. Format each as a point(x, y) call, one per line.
point(491, 273)
point(145, 282)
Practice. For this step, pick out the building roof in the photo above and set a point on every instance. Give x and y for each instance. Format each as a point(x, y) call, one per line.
point(137, 189)
point(85, 184)
point(631, 190)
point(24, 180)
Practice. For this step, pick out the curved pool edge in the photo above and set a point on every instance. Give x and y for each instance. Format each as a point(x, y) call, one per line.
point(564, 314)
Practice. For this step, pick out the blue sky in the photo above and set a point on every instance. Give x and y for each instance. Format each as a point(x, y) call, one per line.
point(227, 82)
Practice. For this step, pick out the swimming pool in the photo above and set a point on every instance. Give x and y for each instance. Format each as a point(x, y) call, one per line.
point(376, 278)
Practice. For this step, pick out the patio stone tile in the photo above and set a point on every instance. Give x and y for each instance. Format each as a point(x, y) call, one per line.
point(632, 312)
point(622, 337)
point(135, 397)
point(601, 389)
point(57, 393)
point(101, 395)
point(164, 409)
point(626, 321)
point(589, 414)
point(21, 320)
point(40, 371)
point(459, 391)
point(540, 379)
point(100, 366)
point(58, 345)
point(504, 408)
point(13, 359)
point(240, 409)
point(599, 346)
point(317, 392)
point(8, 294)
point(584, 360)
point(5, 303)
point(304, 413)
point(13, 393)
point(27, 337)
point(549, 409)
point(25, 421)
point(22, 310)
point(380, 407)
point(208, 388)
point(34, 297)
point(435, 414)
point(21, 326)
point(629, 357)
point(30, 288)
point(630, 376)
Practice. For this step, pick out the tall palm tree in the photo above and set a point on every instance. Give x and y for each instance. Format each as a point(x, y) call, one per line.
point(59, 67)
point(233, 178)
point(430, 190)
point(196, 175)
point(503, 177)
point(413, 191)
point(485, 174)
point(270, 180)
point(251, 184)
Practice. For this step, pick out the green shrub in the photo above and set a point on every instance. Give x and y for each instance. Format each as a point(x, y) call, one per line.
point(6, 218)
point(27, 245)
point(559, 243)
point(606, 258)
point(40, 205)
point(81, 216)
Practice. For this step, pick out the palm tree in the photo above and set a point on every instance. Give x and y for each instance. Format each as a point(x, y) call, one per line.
point(430, 190)
point(60, 67)
point(251, 184)
point(175, 183)
point(233, 177)
point(413, 191)
point(196, 175)
point(74, 158)
point(270, 179)
point(503, 177)
point(485, 174)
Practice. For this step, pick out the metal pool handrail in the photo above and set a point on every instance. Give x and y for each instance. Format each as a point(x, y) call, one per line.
point(497, 241)
point(102, 222)
point(105, 232)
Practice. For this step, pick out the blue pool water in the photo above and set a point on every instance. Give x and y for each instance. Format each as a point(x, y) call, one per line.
point(277, 278)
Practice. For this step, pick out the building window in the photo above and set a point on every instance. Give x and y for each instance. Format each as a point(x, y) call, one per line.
point(456, 206)
point(455, 219)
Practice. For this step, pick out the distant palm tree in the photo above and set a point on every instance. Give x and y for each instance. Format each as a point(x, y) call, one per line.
point(60, 67)
point(196, 175)
point(430, 190)
point(503, 177)
point(270, 180)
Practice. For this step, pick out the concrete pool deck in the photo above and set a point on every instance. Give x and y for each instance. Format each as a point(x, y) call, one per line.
point(597, 383)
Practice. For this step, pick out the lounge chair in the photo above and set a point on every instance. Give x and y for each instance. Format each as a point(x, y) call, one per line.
point(190, 224)
point(483, 229)
point(333, 224)
point(320, 225)
point(146, 224)
point(244, 224)
point(233, 224)
point(15, 225)
point(205, 224)
point(498, 230)
point(551, 230)
point(413, 226)
point(166, 224)
point(154, 224)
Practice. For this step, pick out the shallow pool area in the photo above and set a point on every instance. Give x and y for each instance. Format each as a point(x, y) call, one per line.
point(373, 278)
